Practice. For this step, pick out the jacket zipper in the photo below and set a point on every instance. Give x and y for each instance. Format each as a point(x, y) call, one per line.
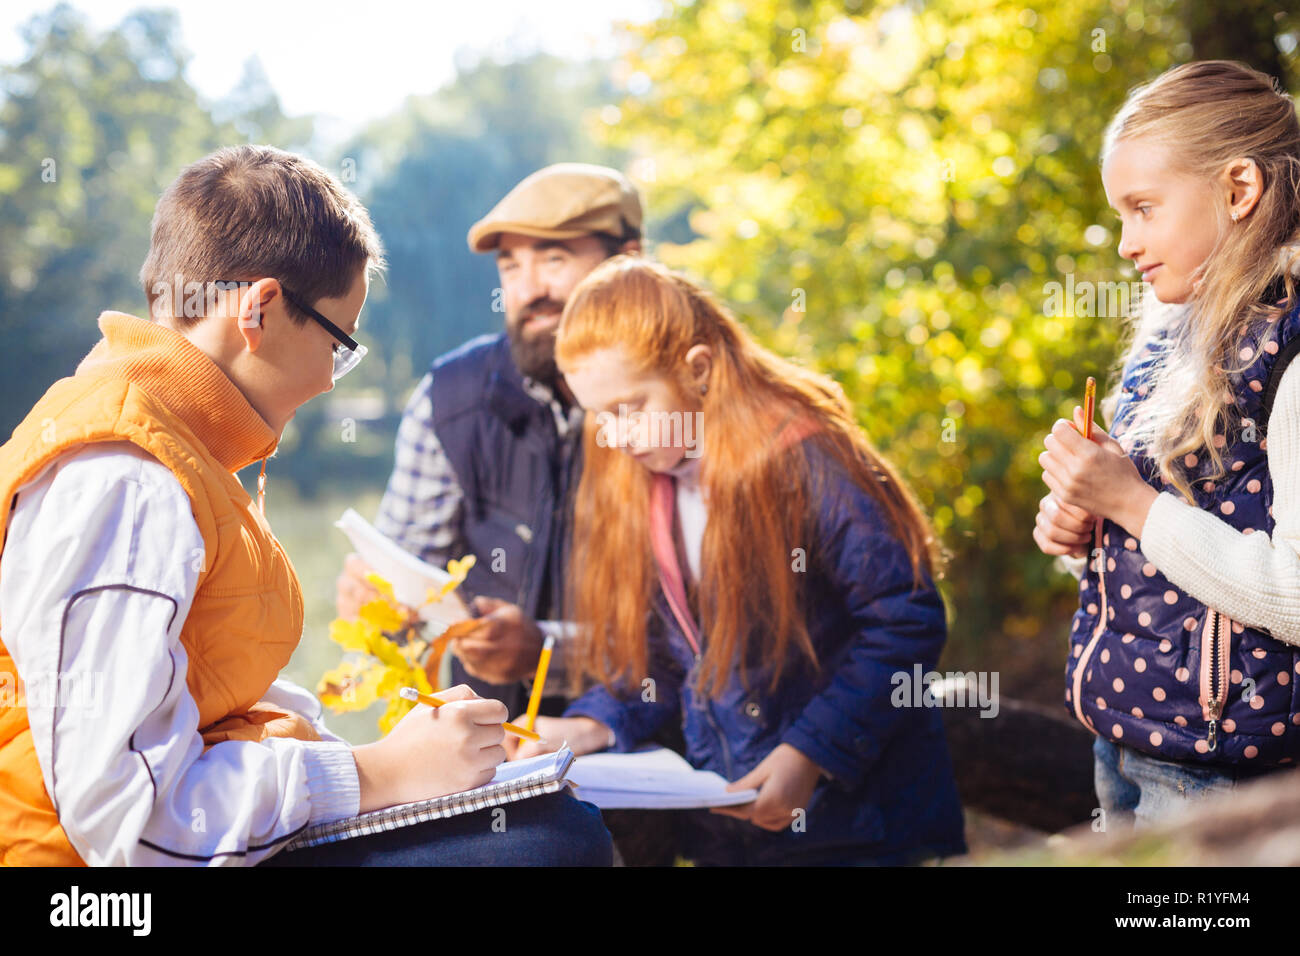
point(1082, 664)
point(707, 707)
point(1214, 677)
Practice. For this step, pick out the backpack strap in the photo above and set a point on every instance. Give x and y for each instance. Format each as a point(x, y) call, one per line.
point(1275, 378)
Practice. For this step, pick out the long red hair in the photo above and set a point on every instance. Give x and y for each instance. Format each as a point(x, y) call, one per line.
point(760, 491)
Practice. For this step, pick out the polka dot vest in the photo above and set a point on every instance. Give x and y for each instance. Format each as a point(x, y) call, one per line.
point(1151, 667)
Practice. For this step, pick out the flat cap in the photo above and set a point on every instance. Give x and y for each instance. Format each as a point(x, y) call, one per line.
point(563, 201)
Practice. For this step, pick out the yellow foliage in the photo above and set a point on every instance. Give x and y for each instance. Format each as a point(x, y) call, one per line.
point(385, 652)
point(382, 615)
point(350, 635)
point(381, 584)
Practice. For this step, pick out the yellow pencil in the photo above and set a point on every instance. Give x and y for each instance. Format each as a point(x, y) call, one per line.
point(410, 693)
point(535, 698)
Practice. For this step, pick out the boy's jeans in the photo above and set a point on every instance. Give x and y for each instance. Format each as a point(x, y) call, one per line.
point(1139, 789)
point(551, 830)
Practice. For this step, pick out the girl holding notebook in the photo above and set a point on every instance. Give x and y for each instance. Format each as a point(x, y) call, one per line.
point(747, 565)
point(1184, 650)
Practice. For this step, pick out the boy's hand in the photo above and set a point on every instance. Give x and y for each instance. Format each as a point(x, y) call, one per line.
point(785, 780)
point(434, 751)
point(505, 648)
point(584, 734)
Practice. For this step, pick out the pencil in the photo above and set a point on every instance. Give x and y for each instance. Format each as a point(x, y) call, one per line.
point(410, 693)
point(535, 698)
point(1089, 402)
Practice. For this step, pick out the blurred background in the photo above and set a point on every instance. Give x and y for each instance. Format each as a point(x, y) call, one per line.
point(885, 191)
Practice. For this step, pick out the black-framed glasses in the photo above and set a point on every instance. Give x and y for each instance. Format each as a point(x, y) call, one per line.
point(347, 350)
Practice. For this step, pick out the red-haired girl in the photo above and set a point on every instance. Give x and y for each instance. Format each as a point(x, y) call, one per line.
point(746, 564)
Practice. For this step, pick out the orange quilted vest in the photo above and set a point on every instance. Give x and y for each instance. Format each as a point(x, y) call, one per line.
point(147, 384)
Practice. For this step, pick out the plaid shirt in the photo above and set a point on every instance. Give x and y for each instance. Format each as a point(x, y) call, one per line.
point(421, 507)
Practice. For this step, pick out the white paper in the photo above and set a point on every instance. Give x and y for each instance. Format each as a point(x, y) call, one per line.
point(650, 779)
point(410, 577)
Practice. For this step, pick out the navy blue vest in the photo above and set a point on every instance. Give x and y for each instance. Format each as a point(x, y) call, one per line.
point(1150, 666)
point(515, 473)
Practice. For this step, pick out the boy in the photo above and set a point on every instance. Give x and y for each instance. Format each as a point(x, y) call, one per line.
point(145, 606)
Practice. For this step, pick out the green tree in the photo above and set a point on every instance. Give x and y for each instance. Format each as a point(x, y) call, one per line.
point(426, 174)
point(93, 127)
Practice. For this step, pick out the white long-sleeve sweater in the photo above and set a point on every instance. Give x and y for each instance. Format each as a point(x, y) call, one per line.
point(96, 579)
point(1252, 578)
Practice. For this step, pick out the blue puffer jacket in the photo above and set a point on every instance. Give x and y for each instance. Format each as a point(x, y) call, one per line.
point(1150, 666)
point(892, 792)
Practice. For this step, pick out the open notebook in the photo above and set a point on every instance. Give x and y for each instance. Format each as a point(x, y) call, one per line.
point(410, 577)
point(513, 781)
point(656, 779)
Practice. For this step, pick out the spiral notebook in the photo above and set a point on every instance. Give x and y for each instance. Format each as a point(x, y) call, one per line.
point(517, 780)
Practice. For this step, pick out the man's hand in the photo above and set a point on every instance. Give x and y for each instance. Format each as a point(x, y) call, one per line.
point(353, 591)
point(506, 646)
point(352, 588)
point(785, 780)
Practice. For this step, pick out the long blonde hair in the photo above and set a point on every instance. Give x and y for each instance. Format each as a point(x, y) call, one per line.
point(1209, 113)
point(760, 492)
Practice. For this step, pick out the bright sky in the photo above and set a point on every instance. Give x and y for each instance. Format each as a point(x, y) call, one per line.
point(351, 62)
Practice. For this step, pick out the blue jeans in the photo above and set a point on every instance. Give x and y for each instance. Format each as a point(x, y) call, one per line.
point(551, 830)
point(1140, 790)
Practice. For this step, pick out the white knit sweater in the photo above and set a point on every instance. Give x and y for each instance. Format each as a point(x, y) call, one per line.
point(1251, 578)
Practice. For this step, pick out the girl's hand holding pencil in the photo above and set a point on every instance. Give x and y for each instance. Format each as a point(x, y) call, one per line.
point(1093, 475)
point(1062, 529)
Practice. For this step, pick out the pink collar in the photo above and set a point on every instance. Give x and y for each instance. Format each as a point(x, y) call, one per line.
point(663, 498)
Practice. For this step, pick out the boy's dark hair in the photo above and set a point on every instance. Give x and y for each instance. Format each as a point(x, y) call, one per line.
point(248, 212)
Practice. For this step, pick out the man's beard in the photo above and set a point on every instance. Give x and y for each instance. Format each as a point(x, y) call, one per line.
point(534, 356)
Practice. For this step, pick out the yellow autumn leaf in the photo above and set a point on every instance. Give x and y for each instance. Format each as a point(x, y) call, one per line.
point(393, 680)
point(380, 584)
point(459, 570)
point(351, 635)
point(413, 650)
point(351, 686)
point(421, 681)
point(397, 709)
point(382, 615)
point(388, 666)
point(387, 651)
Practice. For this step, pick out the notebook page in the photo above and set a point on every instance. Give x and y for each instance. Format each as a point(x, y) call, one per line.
point(656, 777)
